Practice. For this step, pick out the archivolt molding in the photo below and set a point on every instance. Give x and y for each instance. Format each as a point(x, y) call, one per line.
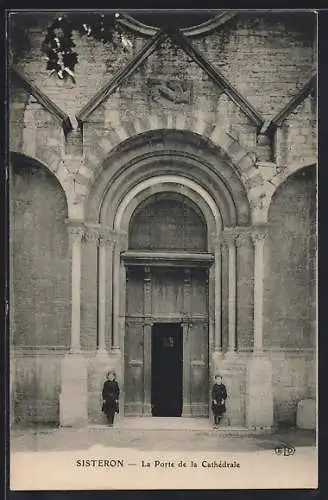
point(175, 183)
point(154, 164)
point(242, 161)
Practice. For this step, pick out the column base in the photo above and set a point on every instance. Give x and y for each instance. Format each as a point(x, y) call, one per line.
point(259, 404)
point(102, 354)
point(146, 411)
point(73, 400)
point(231, 355)
point(186, 411)
point(115, 349)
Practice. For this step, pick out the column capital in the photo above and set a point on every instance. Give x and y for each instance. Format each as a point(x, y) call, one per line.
point(100, 235)
point(147, 271)
point(106, 237)
point(229, 236)
point(76, 229)
point(187, 275)
point(91, 234)
point(243, 238)
point(259, 233)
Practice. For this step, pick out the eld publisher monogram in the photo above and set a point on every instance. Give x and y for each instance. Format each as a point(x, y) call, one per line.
point(286, 451)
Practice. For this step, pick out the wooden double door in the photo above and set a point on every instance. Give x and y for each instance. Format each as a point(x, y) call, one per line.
point(166, 371)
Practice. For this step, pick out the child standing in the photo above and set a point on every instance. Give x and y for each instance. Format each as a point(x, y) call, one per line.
point(219, 396)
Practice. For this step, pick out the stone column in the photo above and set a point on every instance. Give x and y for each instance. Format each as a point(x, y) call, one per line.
point(104, 268)
point(258, 238)
point(259, 412)
point(118, 289)
point(118, 310)
point(186, 327)
point(229, 238)
point(218, 298)
point(76, 234)
point(147, 331)
point(74, 391)
point(116, 293)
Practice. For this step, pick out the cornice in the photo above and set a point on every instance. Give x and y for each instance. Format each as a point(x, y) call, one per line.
point(217, 20)
point(116, 81)
point(291, 105)
point(177, 259)
point(43, 99)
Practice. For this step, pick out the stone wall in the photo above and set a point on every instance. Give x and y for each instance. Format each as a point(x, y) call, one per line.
point(40, 258)
point(293, 379)
point(290, 264)
point(36, 376)
point(268, 59)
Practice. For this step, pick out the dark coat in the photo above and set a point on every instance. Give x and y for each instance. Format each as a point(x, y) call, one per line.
point(110, 395)
point(219, 396)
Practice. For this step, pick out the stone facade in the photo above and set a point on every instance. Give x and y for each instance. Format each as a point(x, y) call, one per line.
point(226, 119)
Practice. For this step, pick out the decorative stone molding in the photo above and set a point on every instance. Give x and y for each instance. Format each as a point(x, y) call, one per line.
point(244, 160)
point(242, 239)
point(229, 239)
point(259, 233)
point(91, 234)
point(101, 236)
point(172, 183)
point(76, 230)
point(292, 104)
point(201, 29)
point(236, 235)
point(107, 237)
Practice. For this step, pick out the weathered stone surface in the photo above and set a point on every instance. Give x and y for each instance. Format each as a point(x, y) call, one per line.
point(306, 414)
point(267, 58)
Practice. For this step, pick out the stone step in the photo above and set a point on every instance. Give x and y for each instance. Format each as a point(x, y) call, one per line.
point(171, 432)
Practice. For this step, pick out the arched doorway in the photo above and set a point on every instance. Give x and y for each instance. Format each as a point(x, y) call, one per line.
point(166, 330)
point(136, 180)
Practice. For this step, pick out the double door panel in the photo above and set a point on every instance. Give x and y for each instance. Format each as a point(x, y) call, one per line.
point(168, 346)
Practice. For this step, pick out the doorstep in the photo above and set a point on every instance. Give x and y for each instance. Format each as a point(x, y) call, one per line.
point(171, 424)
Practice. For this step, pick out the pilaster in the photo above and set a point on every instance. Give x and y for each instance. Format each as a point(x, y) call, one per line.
point(229, 239)
point(147, 331)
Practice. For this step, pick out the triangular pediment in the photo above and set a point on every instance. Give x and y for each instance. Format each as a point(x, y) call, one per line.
point(177, 39)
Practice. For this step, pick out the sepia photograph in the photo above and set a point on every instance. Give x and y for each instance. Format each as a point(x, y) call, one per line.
point(162, 249)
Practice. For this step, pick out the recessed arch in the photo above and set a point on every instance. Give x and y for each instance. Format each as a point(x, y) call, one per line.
point(168, 220)
point(178, 185)
point(20, 159)
point(287, 175)
point(290, 258)
point(169, 153)
point(39, 254)
point(54, 164)
point(121, 221)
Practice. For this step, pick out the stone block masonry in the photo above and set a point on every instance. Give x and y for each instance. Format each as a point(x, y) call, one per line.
point(266, 60)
